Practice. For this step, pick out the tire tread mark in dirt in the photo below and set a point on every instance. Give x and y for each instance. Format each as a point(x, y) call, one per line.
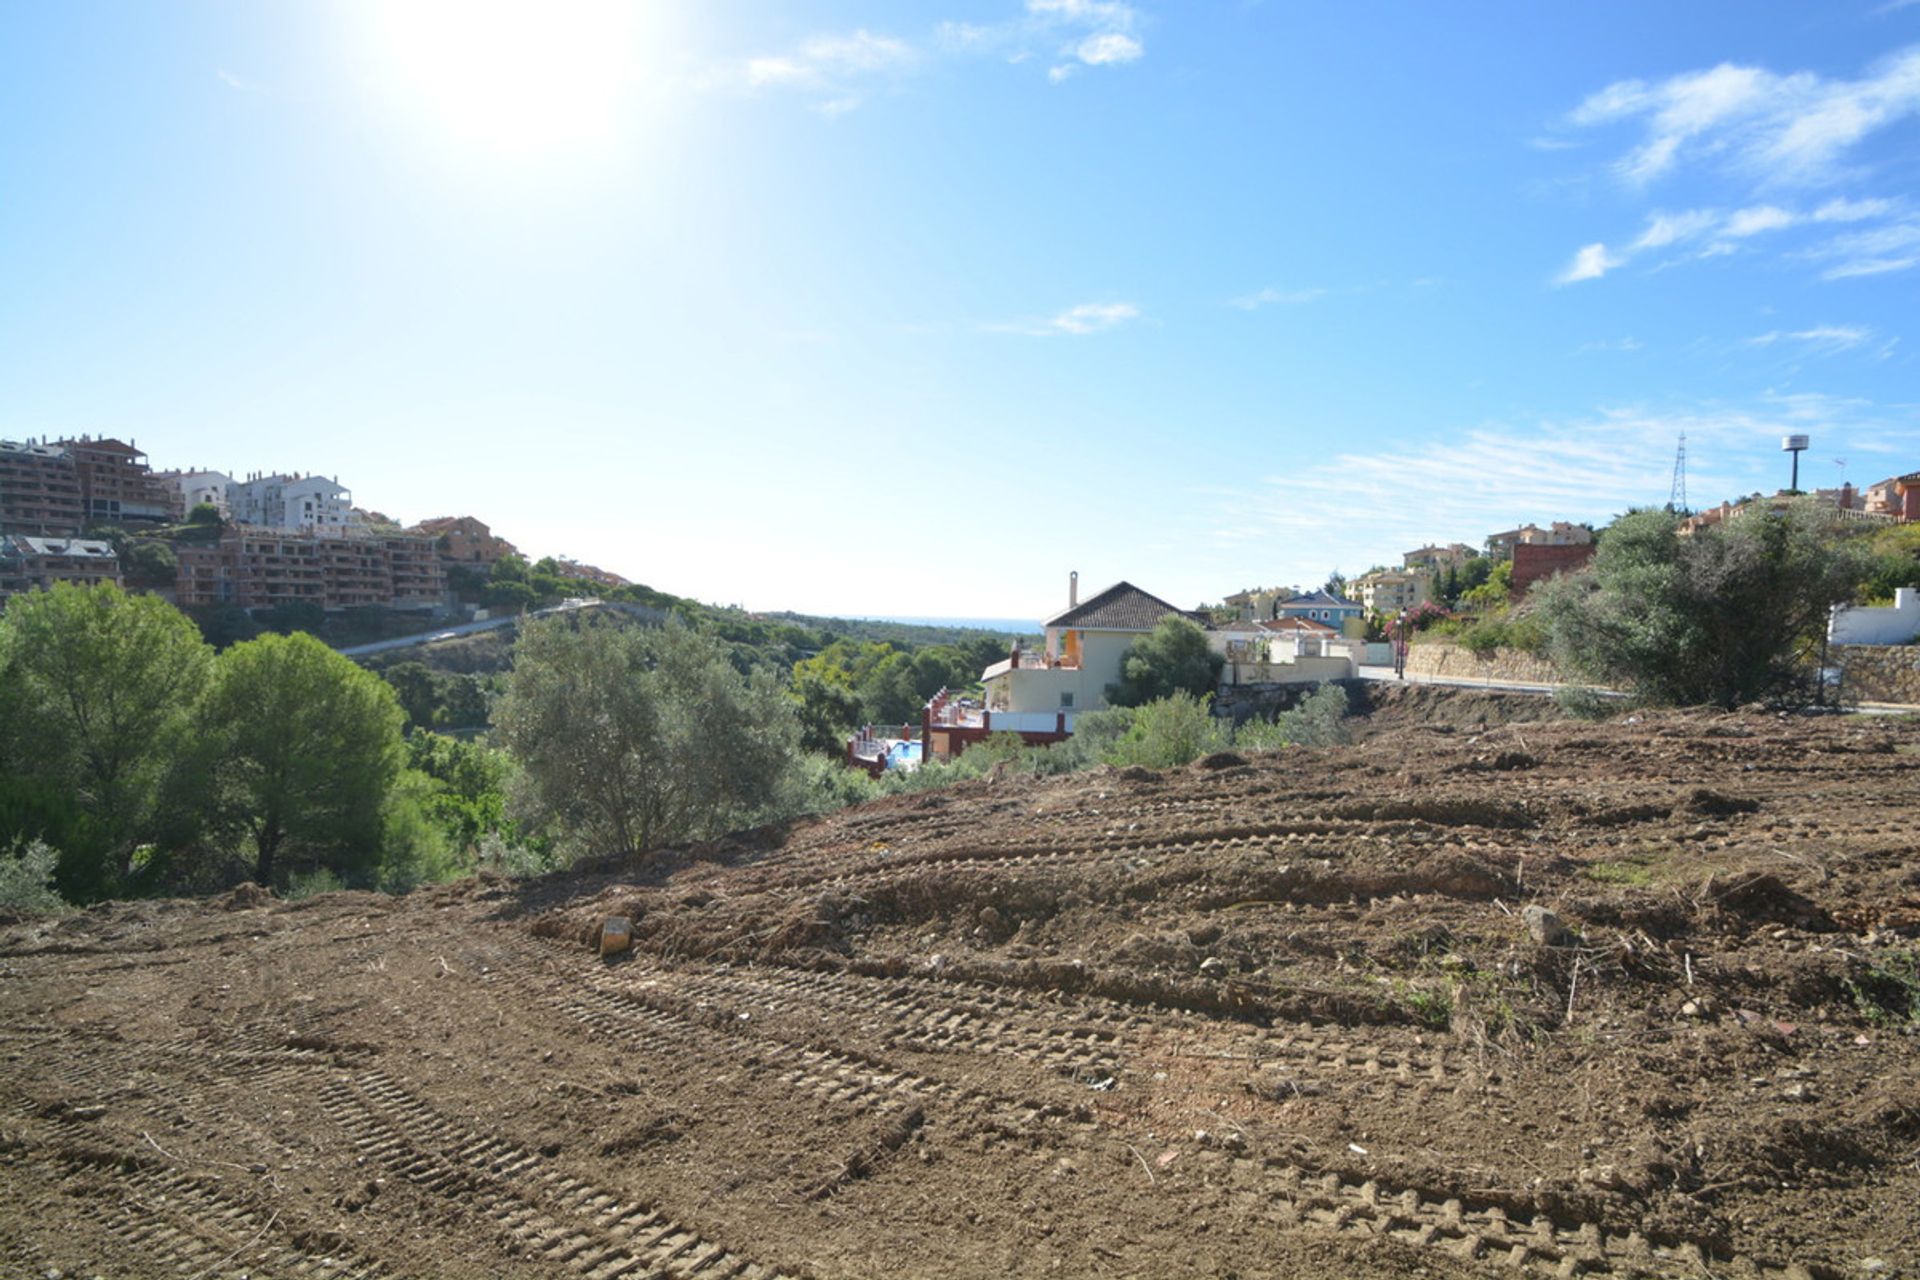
point(1269, 837)
point(193, 1223)
point(943, 1016)
point(1486, 1233)
point(853, 1080)
point(536, 1210)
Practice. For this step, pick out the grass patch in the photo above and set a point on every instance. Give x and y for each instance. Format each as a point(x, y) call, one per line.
point(1637, 874)
point(1888, 993)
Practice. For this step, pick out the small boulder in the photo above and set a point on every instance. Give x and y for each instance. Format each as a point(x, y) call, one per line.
point(1544, 927)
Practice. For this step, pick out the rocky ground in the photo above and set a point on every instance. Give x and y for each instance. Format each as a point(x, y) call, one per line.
point(1292, 1014)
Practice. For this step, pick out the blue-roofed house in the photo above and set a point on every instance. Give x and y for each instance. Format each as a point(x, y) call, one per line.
point(1318, 606)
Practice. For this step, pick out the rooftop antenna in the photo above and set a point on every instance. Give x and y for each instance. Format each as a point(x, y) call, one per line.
point(1795, 445)
point(1677, 496)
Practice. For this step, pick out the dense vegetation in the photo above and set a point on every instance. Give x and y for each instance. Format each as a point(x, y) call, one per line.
point(140, 756)
point(136, 758)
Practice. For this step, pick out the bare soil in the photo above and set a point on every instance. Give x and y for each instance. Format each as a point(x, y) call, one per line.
point(1269, 1016)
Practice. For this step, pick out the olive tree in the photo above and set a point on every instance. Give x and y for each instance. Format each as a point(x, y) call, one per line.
point(628, 738)
point(1725, 616)
point(1174, 657)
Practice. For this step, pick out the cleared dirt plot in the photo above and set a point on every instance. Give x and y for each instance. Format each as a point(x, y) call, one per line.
point(1279, 1015)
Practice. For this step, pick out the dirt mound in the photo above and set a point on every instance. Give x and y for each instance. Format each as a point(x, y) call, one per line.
point(1276, 1015)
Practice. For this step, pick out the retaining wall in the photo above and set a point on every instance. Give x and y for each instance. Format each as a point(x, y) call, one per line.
point(1879, 672)
point(1430, 659)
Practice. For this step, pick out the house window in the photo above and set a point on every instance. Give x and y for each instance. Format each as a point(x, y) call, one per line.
point(1066, 700)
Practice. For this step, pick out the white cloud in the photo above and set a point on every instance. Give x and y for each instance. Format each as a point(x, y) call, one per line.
point(1590, 263)
point(1626, 344)
point(1820, 340)
point(1894, 246)
point(1501, 474)
point(1867, 252)
point(1793, 128)
point(1076, 321)
point(825, 61)
point(1109, 47)
point(1749, 222)
point(233, 81)
point(1072, 33)
point(1869, 267)
point(1667, 228)
point(1843, 210)
point(1272, 297)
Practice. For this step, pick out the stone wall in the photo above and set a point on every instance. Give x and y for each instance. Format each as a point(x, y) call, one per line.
point(1439, 659)
point(1879, 672)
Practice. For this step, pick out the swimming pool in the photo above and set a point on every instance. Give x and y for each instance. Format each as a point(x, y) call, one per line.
point(903, 755)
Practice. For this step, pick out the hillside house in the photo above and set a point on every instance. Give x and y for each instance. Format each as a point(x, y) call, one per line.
point(1437, 560)
point(1318, 606)
point(1038, 694)
point(1558, 534)
point(1388, 591)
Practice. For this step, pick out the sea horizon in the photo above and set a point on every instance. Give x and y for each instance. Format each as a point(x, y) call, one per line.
point(1011, 626)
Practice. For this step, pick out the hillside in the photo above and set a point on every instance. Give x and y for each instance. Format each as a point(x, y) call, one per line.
point(1273, 1016)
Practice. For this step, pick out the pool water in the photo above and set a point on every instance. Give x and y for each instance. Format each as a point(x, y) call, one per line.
point(903, 755)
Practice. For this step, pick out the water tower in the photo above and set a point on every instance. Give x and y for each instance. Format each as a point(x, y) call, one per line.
point(1795, 445)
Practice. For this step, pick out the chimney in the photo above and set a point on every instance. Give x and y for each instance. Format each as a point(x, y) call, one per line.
point(1073, 589)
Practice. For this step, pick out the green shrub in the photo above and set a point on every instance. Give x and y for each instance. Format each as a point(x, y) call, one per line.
point(305, 884)
point(26, 880)
point(1171, 731)
point(1319, 721)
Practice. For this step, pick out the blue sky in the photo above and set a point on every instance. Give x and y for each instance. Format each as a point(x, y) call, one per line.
point(892, 308)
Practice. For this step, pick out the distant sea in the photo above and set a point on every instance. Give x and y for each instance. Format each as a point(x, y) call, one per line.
point(1005, 626)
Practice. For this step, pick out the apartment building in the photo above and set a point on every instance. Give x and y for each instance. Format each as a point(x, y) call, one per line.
point(465, 540)
point(1558, 534)
point(1388, 591)
point(116, 485)
point(254, 568)
point(1437, 560)
point(292, 504)
point(189, 489)
point(29, 563)
point(39, 490)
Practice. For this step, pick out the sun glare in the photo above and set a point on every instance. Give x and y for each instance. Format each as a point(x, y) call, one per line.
point(513, 75)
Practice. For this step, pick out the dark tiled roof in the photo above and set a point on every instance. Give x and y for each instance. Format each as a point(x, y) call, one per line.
point(1318, 599)
point(1121, 607)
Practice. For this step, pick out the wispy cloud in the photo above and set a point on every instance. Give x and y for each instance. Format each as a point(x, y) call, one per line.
point(1784, 129)
point(825, 61)
point(1074, 34)
point(1076, 321)
point(1713, 233)
point(234, 82)
point(1276, 297)
point(1820, 340)
point(1875, 251)
point(1626, 344)
point(1766, 132)
point(1500, 474)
